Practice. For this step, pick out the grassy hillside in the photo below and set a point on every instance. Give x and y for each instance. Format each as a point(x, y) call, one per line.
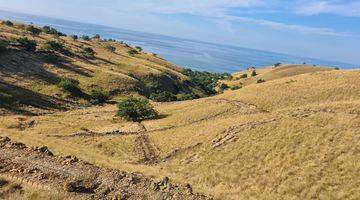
point(294, 136)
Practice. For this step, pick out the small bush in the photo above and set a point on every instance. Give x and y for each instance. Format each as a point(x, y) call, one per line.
point(74, 37)
point(33, 30)
point(132, 52)
point(52, 58)
point(29, 45)
point(85, 37)
point(88, 52)
point(236, 87)
point(260, 81)
point(223, 86)
point(184, 97)
point(53, 45)
point(243, 76)
point(97, 36)
point(110, 48)
point(163, 97)
point(253, 73)
point(53, 31)
point(98, 97)
point(70, 85)
point(138, 48)
point(3, 45)
point(8, 23)
point(337, 68)
point(277, 64)
point(135, 109)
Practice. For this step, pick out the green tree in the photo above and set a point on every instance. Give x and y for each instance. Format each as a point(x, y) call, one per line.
point(29, 45)
point(134, 109)
point(33, 30)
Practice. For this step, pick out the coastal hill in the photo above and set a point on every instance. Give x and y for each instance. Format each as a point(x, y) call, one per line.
point(282, 132)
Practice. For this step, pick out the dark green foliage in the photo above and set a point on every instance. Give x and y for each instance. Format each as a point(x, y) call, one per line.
point(163, 97)
point(3, 45)
point(277, 64)
point(5, 98)
point(70, 85)
point(88, 52)
point(236, 87)
point(184, 97)
point(98, 97)
point(85, 37)
point(253, 73)
point(8, 23)
point(33, 30)
point(110, 48)
point(223, 86)
point(138, 48)
point(53, 31)
point(243, 76)
point(132, 52)
point(29, 45)
point(260, 81)
point(74, 37)
point(97, 36)
point(53, 45)
point(134, 109)
point(337, 68)
point(206, 80)
point(52, 58)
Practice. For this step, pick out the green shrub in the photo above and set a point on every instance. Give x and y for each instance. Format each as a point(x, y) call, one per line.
point(98, 97)
point(29, 45)
point(132, 52)
point(88, 52)
point(97, 36)
point(223, 86)
point(53, 45)
point(51, 58)
point(260, 81)
point(33, 30)
point(184, 97)
point(138, 48)
point(53, 31)
point(337, 68)
point(135, 109)
point(5, 98)
point(85, 37)
point(70, 85)
point(277, 64)
point(3, 45)
point(74, 37)
point(110, 48)
point(163, 97)
point(253, 73)
point(235, 87)
point(8, 23)
point(243, 76)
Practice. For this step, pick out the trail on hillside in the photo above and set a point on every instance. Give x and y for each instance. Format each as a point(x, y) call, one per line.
point(80, 180)
point(146, 150)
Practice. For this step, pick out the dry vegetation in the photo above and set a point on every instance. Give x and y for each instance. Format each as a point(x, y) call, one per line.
point(295, 136)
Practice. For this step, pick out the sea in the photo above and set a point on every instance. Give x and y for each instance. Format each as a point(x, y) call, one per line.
point(197, 55)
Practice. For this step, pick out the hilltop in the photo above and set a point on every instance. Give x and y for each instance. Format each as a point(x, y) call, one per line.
point(292, 135)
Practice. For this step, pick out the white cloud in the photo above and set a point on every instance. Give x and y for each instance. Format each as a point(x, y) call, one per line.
point(351, 8)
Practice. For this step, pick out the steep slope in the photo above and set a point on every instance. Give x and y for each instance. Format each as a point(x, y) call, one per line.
point(290, 138)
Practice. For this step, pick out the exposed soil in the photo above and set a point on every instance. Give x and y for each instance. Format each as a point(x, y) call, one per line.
point(81, 180)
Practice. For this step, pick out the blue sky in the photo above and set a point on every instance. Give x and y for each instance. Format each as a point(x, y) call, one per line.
point(325, 29)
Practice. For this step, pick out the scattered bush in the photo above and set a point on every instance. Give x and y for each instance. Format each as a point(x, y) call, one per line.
point(260, 81)
point(337, 68)
point(53, 31)
point(132, 52)
point(33, 30)
point(184, 97)
point(253, 73)
point(97, 36)
point(3, 45)
point(236, 87)
point(52, 58)
point(29, 45)
point(110, 48)
point(5, 98)
point(85, 37)
point(88, 52)
point(163, 97)
point(223, 87)
point(98, 97)
point(70, 85)
point(74, 37)
point(139, 48)
point(55, 46)
point(277, 64)
point(8, 23)
point(135, 109)
point(243, 76)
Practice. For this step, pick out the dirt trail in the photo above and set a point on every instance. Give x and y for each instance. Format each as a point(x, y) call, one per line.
point(80, 180)
point(147, 151)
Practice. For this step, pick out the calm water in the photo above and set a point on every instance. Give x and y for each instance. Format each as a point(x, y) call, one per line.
point(187, 53)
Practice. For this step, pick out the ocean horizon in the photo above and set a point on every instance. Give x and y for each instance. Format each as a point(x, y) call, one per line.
point(187, 53)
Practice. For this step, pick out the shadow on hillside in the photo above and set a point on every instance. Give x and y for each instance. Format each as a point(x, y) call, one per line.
point(14, 99)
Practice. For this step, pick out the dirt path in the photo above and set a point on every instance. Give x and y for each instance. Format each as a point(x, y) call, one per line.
point(146, 150)
point(81, 180)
